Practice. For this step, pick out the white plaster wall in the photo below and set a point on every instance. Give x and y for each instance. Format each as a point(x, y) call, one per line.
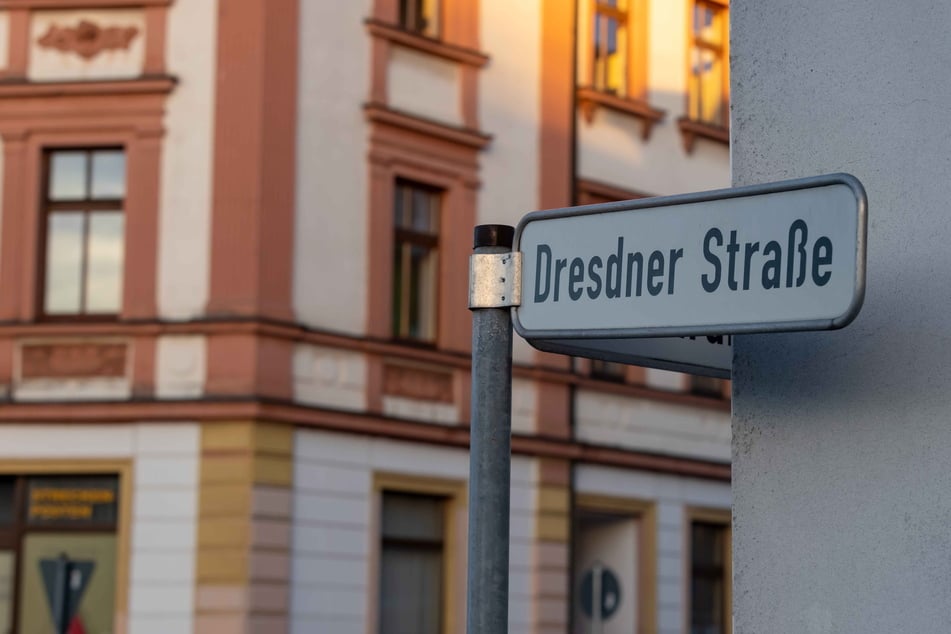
point(185, 204)
point(672, 495)
point(165, 506)
point(332, 168)
point(610, 150)
point(334, 537)
point(841, 439)
point(424, 85)
point(180, 362)
point(4, 39)
point(524, 406)
point(330, 377)
point(665, 380)
point(667, 428)
point(51, 64)
point(420, 410)
point(509, 109)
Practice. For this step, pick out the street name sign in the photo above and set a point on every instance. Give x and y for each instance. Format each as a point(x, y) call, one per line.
point(692, 269)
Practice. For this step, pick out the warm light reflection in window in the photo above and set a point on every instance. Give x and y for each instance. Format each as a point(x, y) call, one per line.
point(709, 79)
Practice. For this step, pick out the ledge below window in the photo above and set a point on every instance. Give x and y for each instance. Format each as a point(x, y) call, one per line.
point(19, 88)
point(453, 134)
point(425, 44)
point(589, 100)
point(691, 129)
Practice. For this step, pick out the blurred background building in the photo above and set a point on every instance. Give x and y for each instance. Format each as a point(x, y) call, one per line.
point(233, 328)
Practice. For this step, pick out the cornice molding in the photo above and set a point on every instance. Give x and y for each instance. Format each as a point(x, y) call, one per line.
point(349, 422)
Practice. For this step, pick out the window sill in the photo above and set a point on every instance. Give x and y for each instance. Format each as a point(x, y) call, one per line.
point(590, 99)
point(11, 88)
point(462, 136)
point(691, 130)
point(425, 44)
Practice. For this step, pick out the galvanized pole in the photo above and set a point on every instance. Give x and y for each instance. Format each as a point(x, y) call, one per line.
point(494, 273)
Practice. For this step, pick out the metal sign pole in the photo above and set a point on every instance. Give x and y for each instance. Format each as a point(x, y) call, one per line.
point(494, 278)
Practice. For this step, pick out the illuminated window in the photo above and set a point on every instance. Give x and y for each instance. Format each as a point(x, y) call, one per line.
point(610, 46)
point(420, 16)
point(58, 547)
point(412, 563)
point(84, 229)
point(709, 81)
point(709, 581)
point(415, 265)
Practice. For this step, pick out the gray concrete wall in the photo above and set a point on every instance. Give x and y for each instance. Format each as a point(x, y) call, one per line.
point(842, 440)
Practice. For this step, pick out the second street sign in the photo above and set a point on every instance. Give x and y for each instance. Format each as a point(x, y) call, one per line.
point(779, 257)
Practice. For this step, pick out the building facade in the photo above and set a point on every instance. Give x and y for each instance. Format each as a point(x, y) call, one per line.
point(234, 345)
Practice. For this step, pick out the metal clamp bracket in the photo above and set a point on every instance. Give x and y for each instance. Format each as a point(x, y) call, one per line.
point(495, 280)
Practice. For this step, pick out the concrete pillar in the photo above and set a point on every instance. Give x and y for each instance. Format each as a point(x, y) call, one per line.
point(842, 440)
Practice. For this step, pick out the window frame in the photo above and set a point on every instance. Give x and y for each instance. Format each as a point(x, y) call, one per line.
point(85, 207)
point(430, 241)
point(723, 519)
point(455, 495)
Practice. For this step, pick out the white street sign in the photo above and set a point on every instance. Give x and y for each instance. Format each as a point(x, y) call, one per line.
point(779, 257)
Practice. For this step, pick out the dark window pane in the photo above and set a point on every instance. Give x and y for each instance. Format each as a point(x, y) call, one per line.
point(108, 174)
point(422, 293)
point(410, 590)
point(707, 386)
point(7, 567)
point(708, 578)
point(420, 16)
point(7, 489)
point(408, 516)
point(55, 500)
point(707, 544)
point(104, 262)
point(68, 175)
point(64, 258)
point(608, 370)
point(425, 218)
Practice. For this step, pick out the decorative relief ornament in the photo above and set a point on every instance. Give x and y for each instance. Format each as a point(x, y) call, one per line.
point(88, 39)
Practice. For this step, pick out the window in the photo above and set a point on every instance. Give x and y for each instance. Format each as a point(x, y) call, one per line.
point(412, 560)
point(709, 581)
point(707, 386)
point(420, 16)
point(415, 265)
point(84, 232)
point(63, 527)
point(610, 46)
point(709, 81)
point(608, 370)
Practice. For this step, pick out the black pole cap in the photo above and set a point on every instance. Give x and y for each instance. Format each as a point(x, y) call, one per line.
point(493, 236)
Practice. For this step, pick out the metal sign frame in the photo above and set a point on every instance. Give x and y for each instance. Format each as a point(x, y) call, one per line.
point(549, 338)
